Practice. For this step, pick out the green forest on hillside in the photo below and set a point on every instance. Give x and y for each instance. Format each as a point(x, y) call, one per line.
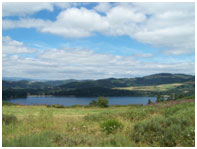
point(152, 85)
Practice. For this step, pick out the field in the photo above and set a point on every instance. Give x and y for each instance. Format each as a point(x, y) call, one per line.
point(169, 123)
point(162, 87)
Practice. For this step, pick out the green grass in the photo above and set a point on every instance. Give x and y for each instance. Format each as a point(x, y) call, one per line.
point(164, 124)
point(163, 87)
point(5, 103)
point(43, 139)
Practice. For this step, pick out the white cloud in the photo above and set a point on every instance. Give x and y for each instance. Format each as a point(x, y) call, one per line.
point(65, 5)
point(166, 25)
point(80, 64)
point(11, 46)
point(25, 23)
point(143, 55)
point(22, 9)
point(103, 7)
point(76, 23)
point(170, 25)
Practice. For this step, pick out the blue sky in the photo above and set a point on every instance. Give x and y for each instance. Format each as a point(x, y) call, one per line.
point(97, 40)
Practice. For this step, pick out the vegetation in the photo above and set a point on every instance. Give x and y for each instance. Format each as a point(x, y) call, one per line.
point(93, 103)
point(163, 83)
point(43, 139)
point(162, 87)
point(168, 123)
point(100, 102)
point(149, 101)
point(55, 106)
point(5, 103)
point(8, 119)
point(111, 126)
point(164, 123)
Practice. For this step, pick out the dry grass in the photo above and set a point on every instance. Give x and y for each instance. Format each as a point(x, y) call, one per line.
point(80, 126)
point(163, 87)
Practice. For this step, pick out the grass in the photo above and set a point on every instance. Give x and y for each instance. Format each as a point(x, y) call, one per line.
point(163, 87)
point(163, 124)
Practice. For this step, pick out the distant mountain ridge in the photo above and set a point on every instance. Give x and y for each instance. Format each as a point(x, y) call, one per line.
point(16, 79)
point(102, 87)
point(155, 79)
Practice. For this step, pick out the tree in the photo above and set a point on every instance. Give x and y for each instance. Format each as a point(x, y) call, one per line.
point(181, 96)
point(93, 103)
point(175, 96)
point(102, 102)
point(149, 101)
point(158, 98)
point(162, 99)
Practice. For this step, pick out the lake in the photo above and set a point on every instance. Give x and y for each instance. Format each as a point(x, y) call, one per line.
point(69, 101)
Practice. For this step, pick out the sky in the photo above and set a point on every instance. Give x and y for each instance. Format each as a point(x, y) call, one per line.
point(57, 41)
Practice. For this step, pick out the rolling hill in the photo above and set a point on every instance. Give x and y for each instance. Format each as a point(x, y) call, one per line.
point(140, 86)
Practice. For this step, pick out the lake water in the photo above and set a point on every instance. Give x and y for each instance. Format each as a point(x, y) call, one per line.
point(69, 101)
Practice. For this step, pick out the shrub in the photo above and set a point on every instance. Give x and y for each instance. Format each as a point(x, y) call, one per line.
point(57, 106)
point(5, 103)
point(8, 119)
point(93, 103)
point(149, 101)
point(111, 126)
point(77, 105)
point(48, 106)
point(162, 131)
point(44, 139)
point(102, 102)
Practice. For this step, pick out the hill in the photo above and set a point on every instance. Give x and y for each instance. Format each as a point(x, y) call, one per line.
point(156, 79)
point(141, 86)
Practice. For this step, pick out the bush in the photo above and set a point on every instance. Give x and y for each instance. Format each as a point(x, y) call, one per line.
point(44, 139)
point(162, 131)
point(77, 105)
point(111, 126)
point(102, 102)
point(5, 103)
point(149, 101)
point(8, 119)
point(57, 106)
point(93, 103)
point(48, 106)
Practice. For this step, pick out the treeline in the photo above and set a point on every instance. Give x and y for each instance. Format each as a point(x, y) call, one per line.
point(96, 88)
point(100, 91)
point(13, 93)
point(89, 92)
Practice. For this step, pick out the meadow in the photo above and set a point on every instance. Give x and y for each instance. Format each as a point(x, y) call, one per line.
point(170, 123)
point(162, 87)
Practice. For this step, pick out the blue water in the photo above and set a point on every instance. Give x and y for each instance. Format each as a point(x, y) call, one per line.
point(69, 101)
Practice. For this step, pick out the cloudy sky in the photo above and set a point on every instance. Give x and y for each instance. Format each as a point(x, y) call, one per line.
point(97, 40)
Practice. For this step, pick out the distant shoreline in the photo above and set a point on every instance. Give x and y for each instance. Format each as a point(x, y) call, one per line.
point(39, 96)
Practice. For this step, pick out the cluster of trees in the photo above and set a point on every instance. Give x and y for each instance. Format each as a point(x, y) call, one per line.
point(161, 98)
point(12, 94)
point(100, 102)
